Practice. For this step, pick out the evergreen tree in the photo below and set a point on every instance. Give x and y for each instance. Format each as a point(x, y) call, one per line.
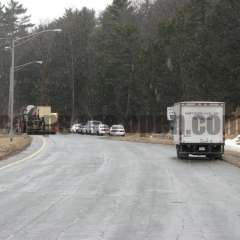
point(225, 54)
point(16, 22)
point(135, 59)
point(117, 44)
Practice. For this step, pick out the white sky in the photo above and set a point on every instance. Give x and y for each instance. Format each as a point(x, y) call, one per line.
point(47, 10)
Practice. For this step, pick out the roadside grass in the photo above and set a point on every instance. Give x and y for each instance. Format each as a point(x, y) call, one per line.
point(154, 138)
point(232, 157)
point(8, 148)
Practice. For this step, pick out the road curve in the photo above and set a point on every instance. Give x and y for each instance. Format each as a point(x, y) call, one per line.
point(83, 187)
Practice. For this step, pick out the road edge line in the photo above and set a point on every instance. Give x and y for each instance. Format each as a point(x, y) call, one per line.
point(44, 143)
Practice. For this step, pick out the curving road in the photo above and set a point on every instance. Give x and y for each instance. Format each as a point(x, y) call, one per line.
point(91, 188)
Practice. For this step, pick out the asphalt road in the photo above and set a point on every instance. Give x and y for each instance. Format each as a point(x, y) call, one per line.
point(82, 187)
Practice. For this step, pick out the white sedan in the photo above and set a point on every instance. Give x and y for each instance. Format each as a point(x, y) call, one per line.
point(75, 128)
point(117, 130)
point(103, 129)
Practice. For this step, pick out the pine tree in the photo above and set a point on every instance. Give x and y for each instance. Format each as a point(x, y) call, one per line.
point(118, 43)
point(2, 30)
point(16, 22)
point(13, 23)
point(4, 68)
point(225, 54)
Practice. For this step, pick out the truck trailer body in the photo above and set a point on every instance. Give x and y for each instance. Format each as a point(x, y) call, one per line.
point(38, 120)
point(199, 129)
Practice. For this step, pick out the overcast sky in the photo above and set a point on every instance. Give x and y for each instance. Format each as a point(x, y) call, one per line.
point(46, 10)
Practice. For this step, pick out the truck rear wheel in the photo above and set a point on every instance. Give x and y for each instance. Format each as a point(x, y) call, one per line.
point(178, 154)
point(219, 156)
point(210, 157)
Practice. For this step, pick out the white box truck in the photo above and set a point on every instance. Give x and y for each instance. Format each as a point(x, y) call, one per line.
point(199, 129)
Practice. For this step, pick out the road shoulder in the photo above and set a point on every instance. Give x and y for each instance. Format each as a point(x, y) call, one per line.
point(164, 139)
point(36, 146)
point(231, 157)
point(10, 148)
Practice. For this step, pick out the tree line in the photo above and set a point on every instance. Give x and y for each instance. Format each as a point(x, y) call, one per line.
point(128, 64)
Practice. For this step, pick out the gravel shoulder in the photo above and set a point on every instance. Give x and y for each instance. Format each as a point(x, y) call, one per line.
point(8, 148)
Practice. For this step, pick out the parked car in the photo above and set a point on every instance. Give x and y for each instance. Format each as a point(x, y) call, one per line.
point(79, 130)
point(92, 127)
point(84, 129)
point(117, 130)
point(103, 129)
point(75, 128)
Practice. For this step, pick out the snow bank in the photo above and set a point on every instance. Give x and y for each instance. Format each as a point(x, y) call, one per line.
point(233, 144)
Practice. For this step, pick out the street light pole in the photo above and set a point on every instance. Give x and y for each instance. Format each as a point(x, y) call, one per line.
point(22, 40)
point(11, 89)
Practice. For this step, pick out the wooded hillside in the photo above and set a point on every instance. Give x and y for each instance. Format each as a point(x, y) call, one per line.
point(133, 60)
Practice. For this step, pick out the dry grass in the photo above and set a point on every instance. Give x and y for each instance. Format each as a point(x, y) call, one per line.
point(146, 138)
point(232, 157)
point(18, 144)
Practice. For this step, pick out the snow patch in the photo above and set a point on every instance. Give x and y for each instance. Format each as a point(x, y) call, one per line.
point(233, 144)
